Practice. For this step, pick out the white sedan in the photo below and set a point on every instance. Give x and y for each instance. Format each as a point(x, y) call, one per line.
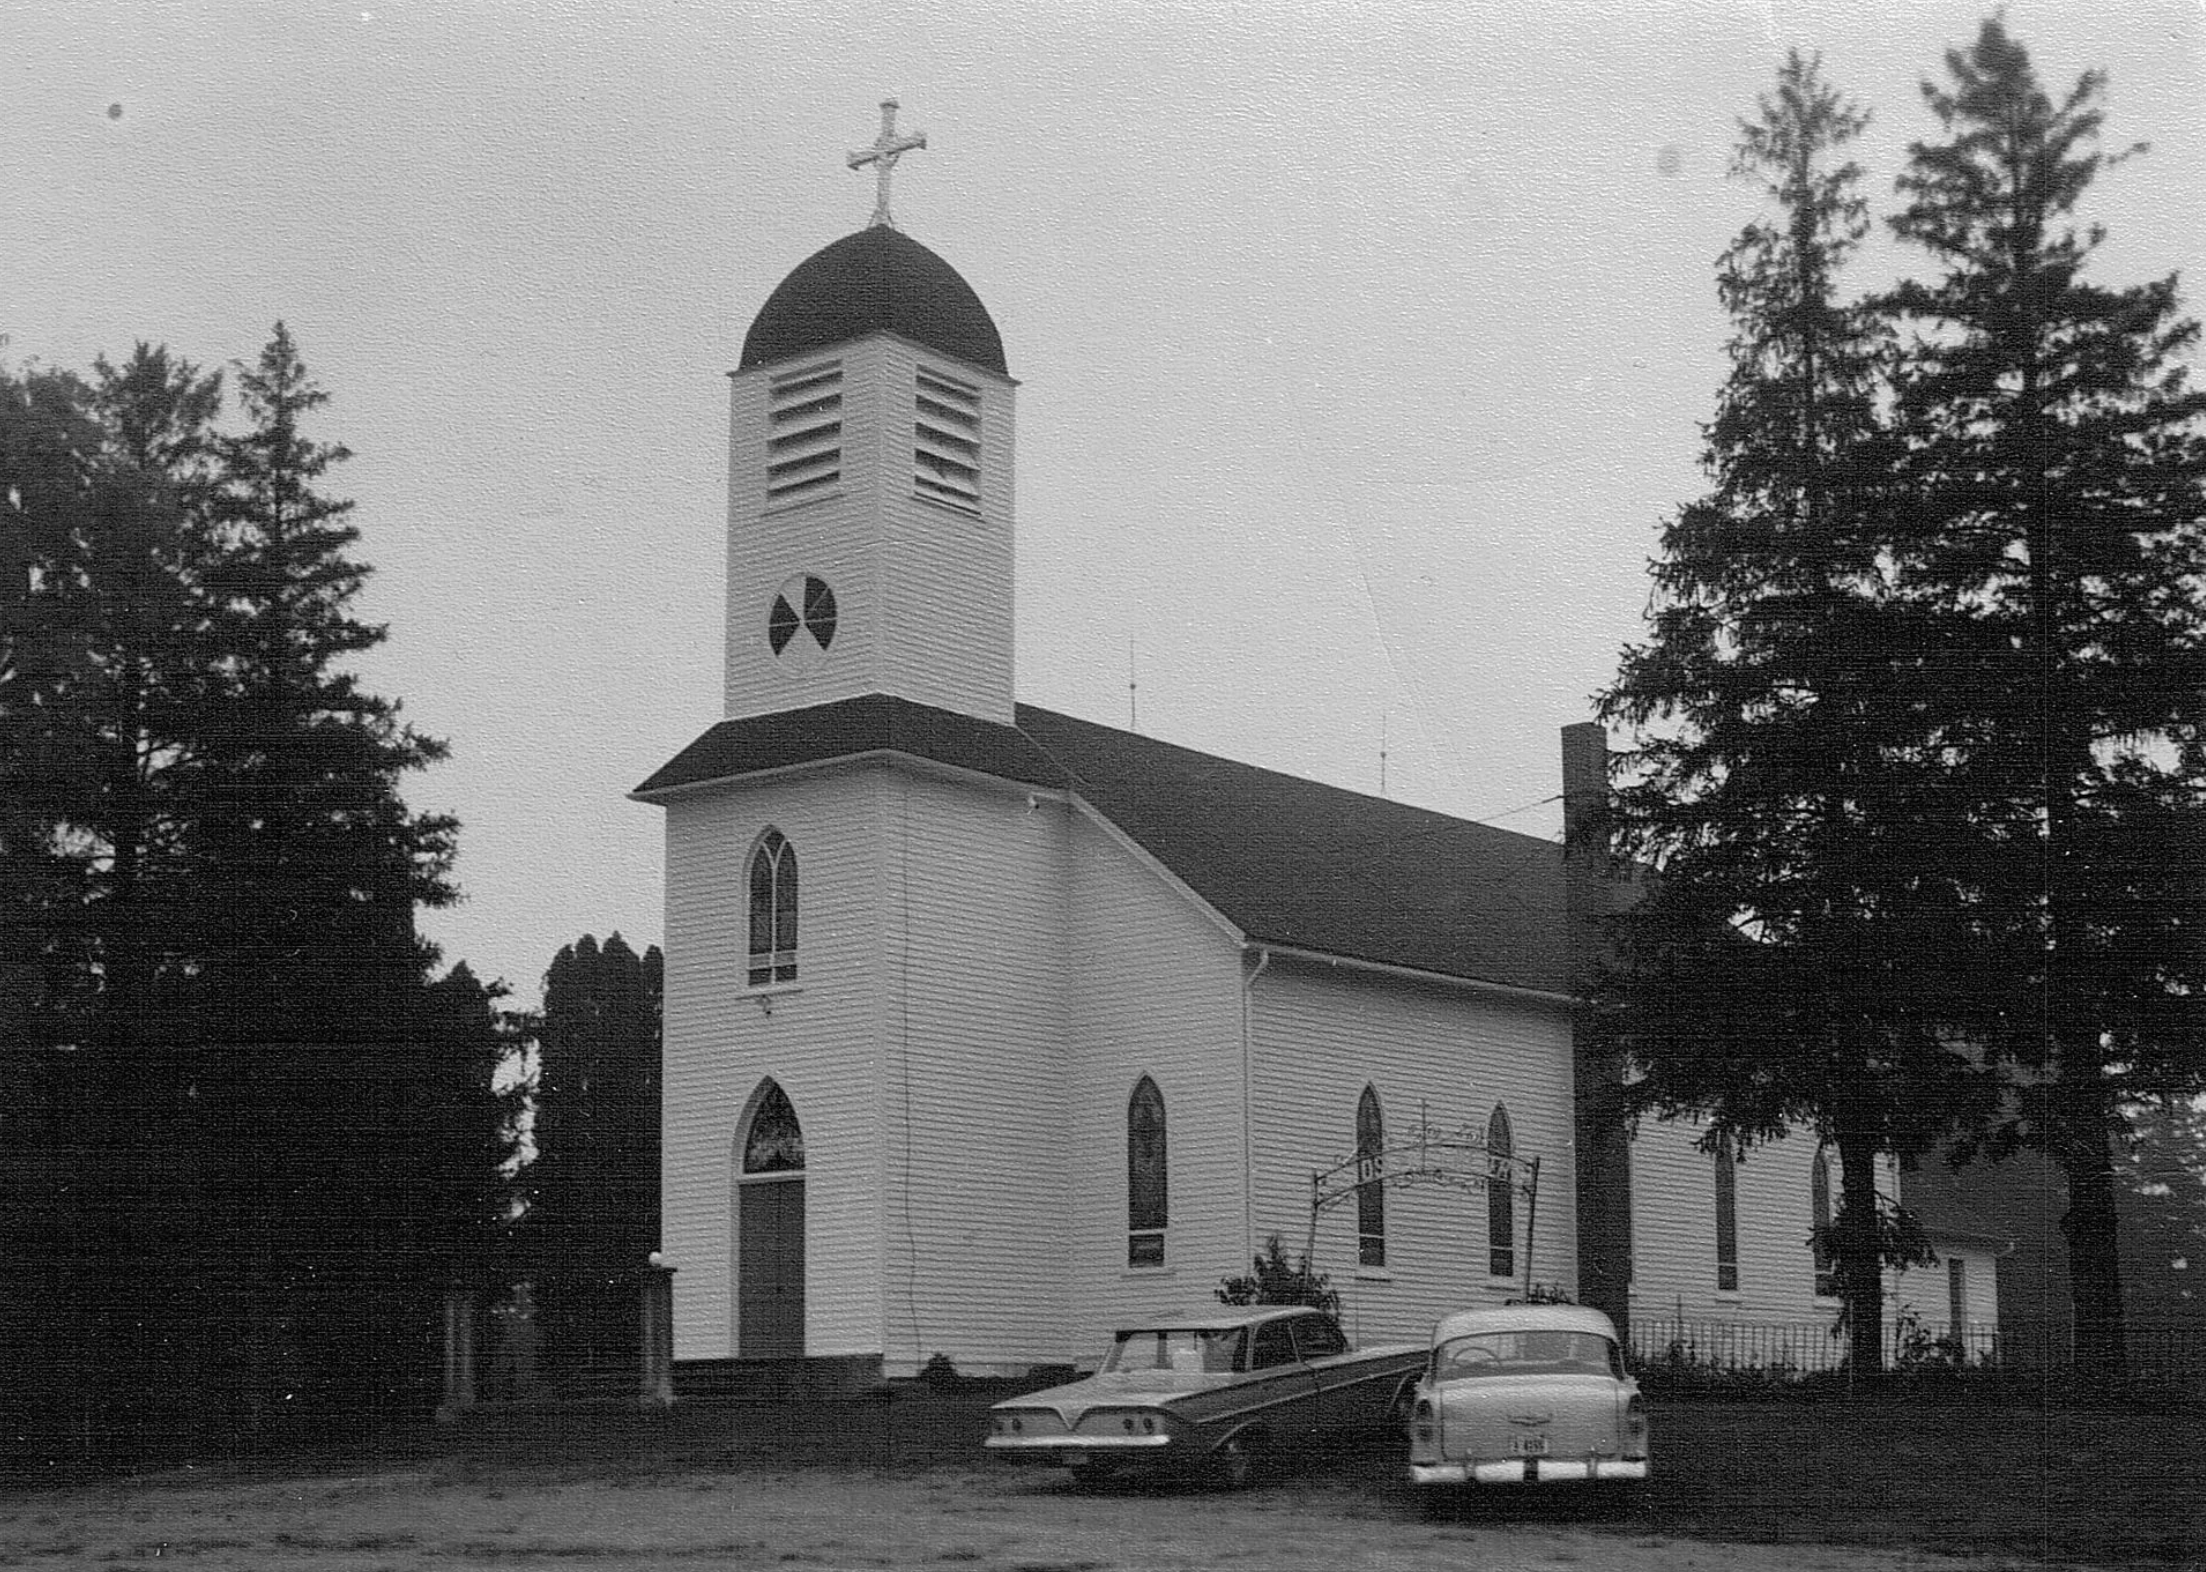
point(1531, 1394)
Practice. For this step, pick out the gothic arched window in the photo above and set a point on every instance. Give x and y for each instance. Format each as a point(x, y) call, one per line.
point(1146, 1197)
point(773, 910)
point(1501, 1196)
point(1727, 1218)
point(1370, 1181)
point(774, 1143)
point(1819, 1209)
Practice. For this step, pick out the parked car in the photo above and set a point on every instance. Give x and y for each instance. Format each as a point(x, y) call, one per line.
point(1531, 1394)
point(1218, 1391)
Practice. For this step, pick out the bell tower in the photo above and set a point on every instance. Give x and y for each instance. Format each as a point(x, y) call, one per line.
point(869, 489)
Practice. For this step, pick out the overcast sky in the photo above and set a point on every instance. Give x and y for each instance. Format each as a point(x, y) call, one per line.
point(1362, 348)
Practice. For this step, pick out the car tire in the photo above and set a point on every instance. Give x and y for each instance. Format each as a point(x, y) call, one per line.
point(1233, 1465)
point(1400, 1411)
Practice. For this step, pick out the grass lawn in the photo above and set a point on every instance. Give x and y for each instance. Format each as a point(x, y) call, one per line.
point(2034, 1485)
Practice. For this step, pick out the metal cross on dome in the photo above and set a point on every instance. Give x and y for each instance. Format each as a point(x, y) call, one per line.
point(883, 154)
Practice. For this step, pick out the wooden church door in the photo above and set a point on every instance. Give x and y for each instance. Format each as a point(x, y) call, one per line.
point(769, 1265)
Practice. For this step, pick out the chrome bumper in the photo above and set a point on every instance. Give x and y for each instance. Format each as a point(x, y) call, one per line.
point(1065, 1447)
point(1511, 1471)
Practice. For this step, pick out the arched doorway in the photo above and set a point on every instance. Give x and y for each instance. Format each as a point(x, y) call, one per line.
point(769, 1230)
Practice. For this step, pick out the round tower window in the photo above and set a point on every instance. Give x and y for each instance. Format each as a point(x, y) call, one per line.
point(801, 623)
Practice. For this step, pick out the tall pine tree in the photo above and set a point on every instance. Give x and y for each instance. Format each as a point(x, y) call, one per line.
point(313, 868)
point(2056, 470)
point(1787, 962)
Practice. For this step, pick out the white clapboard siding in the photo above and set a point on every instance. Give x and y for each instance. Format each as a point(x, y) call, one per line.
point(948, 605)
point(1153, 989)
point(1925, 1293)
point(923, 590)
point(1674, 1228)
point(974, 1074)
point(1321, 1034)
point(820, 1042)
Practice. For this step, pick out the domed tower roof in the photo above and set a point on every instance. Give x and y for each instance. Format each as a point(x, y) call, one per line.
point(878, 279)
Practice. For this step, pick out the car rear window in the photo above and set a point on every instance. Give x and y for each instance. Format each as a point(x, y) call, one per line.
point(1174, 1348)
point(1487, 1354)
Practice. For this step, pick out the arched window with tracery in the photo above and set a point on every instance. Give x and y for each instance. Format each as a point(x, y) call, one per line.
point(774, 1141)
point(1147, 1198)
point(1501, 1196)
point(773, 910)
point(1727, 1217)
point(1370, 1180)
point(1819, 1211)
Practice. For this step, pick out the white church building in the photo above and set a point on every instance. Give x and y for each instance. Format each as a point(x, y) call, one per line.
point(989, 1028)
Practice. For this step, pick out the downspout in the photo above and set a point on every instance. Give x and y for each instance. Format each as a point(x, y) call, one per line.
point(1248, 1092)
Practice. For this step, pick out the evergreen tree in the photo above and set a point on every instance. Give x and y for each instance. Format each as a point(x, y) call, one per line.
point(594, 1185)
point(1790, 957)
point(2057, 531)
point(2161, 1172)
point(103, 719)
point(311, 871)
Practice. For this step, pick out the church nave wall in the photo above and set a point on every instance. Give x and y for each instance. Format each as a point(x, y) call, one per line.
point(1153, 989)
point(1674, 1264)
point(973, 1074)
point(1321, 1035)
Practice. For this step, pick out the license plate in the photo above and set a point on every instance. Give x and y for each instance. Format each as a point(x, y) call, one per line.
point(1528, 1446)
point(1073, 1459)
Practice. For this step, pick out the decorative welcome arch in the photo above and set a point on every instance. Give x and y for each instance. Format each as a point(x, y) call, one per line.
point(1456, 1159)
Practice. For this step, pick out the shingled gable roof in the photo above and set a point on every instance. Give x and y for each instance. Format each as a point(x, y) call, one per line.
point(875, 723)
point(1304, 866)
point(1287, 861)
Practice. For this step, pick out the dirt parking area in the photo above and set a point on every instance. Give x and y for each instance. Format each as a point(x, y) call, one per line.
point(1000, 1520)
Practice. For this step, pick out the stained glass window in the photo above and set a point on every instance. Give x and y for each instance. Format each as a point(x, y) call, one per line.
point(1819, 1205)
point(1146, 1199)
point(773, 948)
point(774, 1144)
point(1501, 1196)
point(1371, 1181)
point(1727, 1218)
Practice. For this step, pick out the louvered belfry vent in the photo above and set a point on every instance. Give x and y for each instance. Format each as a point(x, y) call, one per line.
point(946, 441)
point(804, 433)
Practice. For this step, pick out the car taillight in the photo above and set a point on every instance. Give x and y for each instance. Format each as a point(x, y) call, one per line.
point(1423, 1423)
point(1635, 1429)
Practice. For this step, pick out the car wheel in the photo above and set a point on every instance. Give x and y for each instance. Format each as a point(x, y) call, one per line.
point(1398, 1412)
point(1233, 1465)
